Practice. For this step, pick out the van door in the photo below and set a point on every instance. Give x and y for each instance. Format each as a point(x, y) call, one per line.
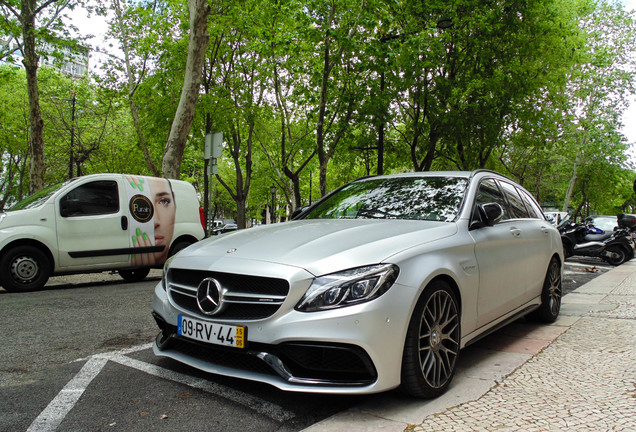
point(92, 227)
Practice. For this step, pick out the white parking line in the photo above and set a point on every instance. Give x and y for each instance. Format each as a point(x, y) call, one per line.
point(261, 406)
point(56, 411)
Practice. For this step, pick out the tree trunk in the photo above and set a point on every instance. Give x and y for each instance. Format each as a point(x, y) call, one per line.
point(36, 124)
point(199, 38)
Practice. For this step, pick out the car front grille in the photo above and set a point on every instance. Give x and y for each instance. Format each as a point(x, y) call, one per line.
point(246, 297)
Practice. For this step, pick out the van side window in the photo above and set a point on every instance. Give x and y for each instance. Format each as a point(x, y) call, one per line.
point(90, 199)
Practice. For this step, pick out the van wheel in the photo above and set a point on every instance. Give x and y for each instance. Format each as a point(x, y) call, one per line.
point(431, 348)
point(135, 275)
point(24, 268)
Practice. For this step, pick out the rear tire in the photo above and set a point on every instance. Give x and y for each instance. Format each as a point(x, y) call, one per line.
point(432, 341)
point(134, 275)
point(24, 268)
point(551, 295)
point(618, 257)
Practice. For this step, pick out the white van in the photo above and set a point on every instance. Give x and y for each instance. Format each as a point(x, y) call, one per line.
point(97, 222)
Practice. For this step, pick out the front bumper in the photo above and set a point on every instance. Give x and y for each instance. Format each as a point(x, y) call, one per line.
point(351, 350)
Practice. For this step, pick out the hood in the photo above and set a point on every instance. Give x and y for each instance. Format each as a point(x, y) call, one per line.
point(319, 246)
point(25, 217)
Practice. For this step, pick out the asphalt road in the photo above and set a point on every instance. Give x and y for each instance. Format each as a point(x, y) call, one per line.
point(95, 337)
point(76, 357)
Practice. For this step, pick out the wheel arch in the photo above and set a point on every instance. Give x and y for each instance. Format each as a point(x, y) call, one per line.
point(182, 238)
point(33, 243)
point(450, 280)
point(451, 283)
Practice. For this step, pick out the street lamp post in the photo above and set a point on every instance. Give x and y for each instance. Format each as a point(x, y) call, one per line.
point(71, 159)
point(272, 190)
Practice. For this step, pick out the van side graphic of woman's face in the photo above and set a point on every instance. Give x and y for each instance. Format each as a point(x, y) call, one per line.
point(165, 210)
point(160, 193)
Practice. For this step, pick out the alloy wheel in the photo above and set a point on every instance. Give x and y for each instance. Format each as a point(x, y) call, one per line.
point(439, 339)
point(554, 289)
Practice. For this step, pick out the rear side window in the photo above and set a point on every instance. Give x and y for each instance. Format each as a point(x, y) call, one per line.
point(517, 207)
point(90, 199)
point(489, 192)
point(532, 207)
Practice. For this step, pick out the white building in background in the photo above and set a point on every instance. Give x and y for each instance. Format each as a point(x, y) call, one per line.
point(70, 61)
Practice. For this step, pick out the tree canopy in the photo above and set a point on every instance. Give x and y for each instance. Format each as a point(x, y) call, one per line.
point(309, 95)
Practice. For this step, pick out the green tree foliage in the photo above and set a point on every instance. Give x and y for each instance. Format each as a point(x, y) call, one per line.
point(103, 135)
point(14, 140)
point(30, 23)
point(306, 92)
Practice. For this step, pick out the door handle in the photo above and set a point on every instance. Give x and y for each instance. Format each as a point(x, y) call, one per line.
point(545, 230)
point(515, 232)
point(124, 223)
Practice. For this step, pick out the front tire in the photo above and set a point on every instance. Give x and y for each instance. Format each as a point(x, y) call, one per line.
point(432, 341)
point(24, 268)
point(551, 295)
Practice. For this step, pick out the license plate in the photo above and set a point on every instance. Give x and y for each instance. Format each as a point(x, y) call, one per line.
point(219, 334)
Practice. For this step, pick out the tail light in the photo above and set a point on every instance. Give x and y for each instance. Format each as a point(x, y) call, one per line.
point(202, 217)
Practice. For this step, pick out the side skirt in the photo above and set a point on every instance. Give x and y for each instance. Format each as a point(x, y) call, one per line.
point(480, 334)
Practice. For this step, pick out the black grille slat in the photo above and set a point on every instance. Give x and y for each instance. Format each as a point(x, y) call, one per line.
point(242, 290)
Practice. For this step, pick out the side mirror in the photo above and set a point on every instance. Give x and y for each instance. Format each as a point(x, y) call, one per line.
point(491, 213)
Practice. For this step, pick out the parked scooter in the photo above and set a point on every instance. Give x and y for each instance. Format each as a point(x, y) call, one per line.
point(614, 247)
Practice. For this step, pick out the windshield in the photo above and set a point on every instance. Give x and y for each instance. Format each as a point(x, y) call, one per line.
point(38, 198)
point(416, 198)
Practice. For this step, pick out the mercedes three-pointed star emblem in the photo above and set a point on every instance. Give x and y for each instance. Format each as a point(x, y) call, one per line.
point(210, 296)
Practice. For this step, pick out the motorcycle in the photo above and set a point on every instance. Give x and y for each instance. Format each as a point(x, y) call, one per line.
point(614, 247)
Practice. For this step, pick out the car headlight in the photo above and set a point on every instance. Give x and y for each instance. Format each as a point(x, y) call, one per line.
point(164, 275)
point(348, 287)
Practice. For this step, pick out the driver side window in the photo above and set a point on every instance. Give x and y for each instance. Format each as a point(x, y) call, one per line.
point(90, 199)
point(489, 192)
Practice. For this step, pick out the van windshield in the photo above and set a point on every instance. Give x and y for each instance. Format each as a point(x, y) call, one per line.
point(38, 198)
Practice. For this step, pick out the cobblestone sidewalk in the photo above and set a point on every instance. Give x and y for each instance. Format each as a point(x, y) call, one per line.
point(584, 381)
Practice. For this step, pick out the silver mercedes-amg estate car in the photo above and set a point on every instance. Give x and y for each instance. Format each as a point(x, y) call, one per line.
point(376, 286)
